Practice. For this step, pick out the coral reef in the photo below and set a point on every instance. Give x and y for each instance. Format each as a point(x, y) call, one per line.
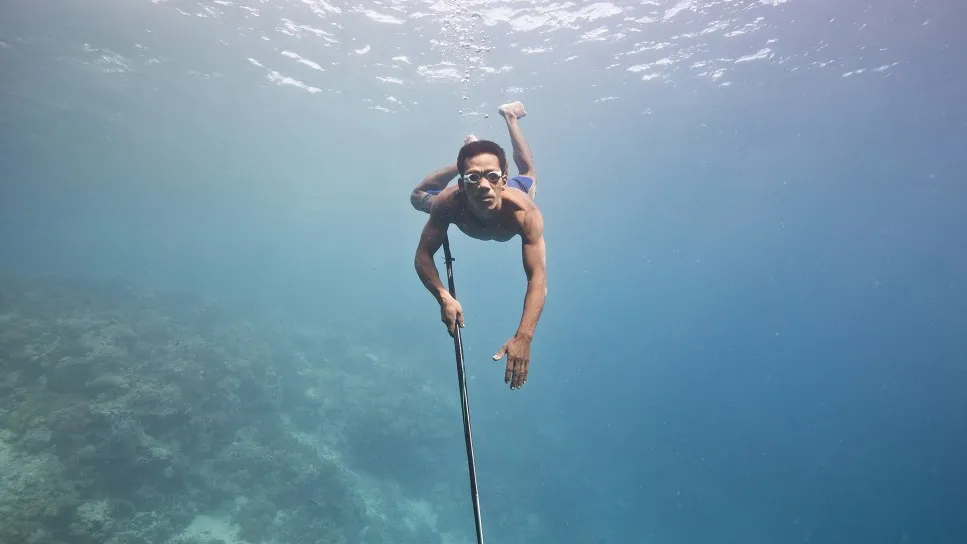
point(130, 418)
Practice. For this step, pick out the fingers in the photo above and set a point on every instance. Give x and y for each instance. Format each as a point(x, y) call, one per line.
point(451, 325)
point(457, 321)
point(516, 372)
point(511, 364)
point(452, 321)
point(509, 373)
point(521, 373)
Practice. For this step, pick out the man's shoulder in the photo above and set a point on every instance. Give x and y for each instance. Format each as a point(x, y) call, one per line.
point(522, 204)
point(526, 215)
point(447, 203)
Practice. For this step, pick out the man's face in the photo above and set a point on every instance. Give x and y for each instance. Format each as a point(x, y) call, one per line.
point(482, 190)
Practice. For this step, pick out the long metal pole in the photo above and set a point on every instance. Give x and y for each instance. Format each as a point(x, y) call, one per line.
point(464, 401)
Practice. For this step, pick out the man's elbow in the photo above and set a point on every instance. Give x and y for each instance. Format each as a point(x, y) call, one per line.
point(418, 201)
point(418, 259)
point(421, 258)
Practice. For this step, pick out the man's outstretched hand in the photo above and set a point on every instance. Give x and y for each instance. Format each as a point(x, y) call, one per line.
point(518, 352)
point(451, 313)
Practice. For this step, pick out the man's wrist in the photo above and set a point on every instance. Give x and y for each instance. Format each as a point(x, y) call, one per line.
point(441, 295)
point(524, 335)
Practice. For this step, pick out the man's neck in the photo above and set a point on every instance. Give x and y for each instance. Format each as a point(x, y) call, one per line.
point(483, 216)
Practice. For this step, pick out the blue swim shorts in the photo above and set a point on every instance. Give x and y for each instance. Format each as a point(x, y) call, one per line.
point(524, 183)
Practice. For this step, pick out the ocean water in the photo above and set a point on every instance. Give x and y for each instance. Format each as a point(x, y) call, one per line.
point(211, 328)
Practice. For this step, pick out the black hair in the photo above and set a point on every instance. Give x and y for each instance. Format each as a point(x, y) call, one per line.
point(471, 150)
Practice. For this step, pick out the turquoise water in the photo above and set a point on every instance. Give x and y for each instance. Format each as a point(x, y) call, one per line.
point(754, 220)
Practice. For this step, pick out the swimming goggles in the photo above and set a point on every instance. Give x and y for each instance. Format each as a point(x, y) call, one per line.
point(492, 177)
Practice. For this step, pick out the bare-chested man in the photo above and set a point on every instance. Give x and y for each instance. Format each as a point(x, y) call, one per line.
point(487, 206)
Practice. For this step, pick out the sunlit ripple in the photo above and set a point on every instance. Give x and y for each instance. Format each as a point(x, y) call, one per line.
point(308, 45)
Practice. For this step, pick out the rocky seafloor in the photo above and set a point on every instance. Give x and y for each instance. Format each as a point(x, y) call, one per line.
point(129, 417)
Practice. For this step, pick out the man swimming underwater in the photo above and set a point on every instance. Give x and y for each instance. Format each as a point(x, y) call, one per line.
point(486, 205)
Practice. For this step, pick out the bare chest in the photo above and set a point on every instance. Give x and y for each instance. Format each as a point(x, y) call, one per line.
point(499, 231)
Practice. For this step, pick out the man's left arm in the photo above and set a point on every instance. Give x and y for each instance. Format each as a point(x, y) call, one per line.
point(535, 265)
point(517, 348)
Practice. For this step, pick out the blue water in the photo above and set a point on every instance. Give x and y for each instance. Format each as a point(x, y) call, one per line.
point(754, 216)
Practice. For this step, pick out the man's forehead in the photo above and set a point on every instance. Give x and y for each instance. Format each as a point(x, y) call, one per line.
point(484, 160)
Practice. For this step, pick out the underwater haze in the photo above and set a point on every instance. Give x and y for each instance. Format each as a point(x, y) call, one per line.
point(212, 331)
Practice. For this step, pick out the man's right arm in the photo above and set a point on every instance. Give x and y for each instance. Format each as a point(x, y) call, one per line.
point(436, 181)
point(430, 241)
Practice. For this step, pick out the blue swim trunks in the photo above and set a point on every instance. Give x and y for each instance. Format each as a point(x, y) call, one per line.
point(524, 183)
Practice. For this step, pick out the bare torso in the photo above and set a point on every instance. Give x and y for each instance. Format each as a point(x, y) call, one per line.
point(503, 226)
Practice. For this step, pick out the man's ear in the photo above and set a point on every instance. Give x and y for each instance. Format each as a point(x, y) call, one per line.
point(460, 182)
